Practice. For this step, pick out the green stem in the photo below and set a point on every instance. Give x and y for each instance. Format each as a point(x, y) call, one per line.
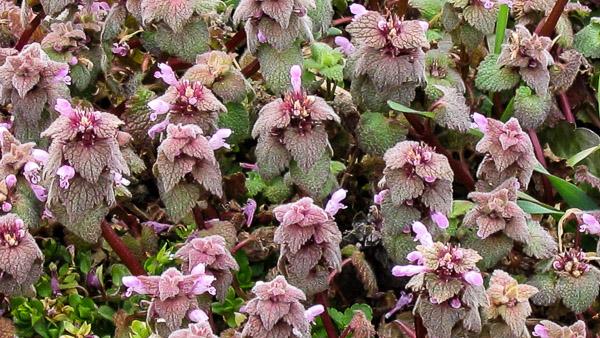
point(501, 24)
point(508, 111)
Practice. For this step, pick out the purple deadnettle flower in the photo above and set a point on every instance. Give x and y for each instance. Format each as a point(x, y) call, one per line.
point(479, 122)
point(249, 210)
point(408, 270)
point(403, 301)
point(345, 45)
point(313, 312)
point(217, 141)
point(540, 331)
point(261, 37)
point(590, 224)
point(197, 316)
point(158, 128)
point(157, 227)
point(378, 198)
point(174, 294)
point(548, 329)
point(474, 278)
point(10, 181)
point(40, 192)
point(120, 48)
point(31, 171)
point(440, 220)
point(357, 10)
point(422, 234)
point(455, 303)
point(66, 172)
point(167, 74)
point(6, 206)
point(41, 156)
point(335, 203)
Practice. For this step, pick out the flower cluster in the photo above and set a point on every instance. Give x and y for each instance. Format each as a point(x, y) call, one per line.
point(508, 153)
point(414, 170)
point(21, 261)
point(572, 262)
point(509, 301)
point(85, 161)
point(450, 280)
point(309, 240)
point(276, 311)
point(498, 211)
point(216, 70)
point(277, 23)
point(173, 293)
point(20, 159)
point(186, 151)
point(30, 80)
point(530, 54)
point(213, 253)
point(389, 57)
point(292, 128)
point(186, 101)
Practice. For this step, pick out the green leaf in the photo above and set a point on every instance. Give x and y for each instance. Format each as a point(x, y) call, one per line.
point(460, 207)
point(501, 23)
point(573, 195)
point(536, 209)
point(580, 156)
point(404, 109)
point(106, 312)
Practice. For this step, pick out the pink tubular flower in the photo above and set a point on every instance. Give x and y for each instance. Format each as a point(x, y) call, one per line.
point(10, 181)
point(335, 203)
point(158, 128)
point(133, 284)
point(217, 141)
point(479, 122)
point(197, 316)
point(422, 234)
point(440, 219)
point(403, 301)
point(66, 172)
point(474, 278)
point(62, 75)
point(120, 180)
point(357, 10)
point(121, 49)
point(157, 226)
point(249, 210)
point(167, 74)
point(65, 108)
point(590, 224)
point(296, 78)
point(41, 156)
point(31, 171)
point(408, 270)
point(158, 107)
point(249, 166)
point(345, 45)
point(540, 331)
point(415, 256)
point(6, 206)
point(313, 312)
point(261, 37)
point(378, 198)
point(455, 303)
point(40, 192)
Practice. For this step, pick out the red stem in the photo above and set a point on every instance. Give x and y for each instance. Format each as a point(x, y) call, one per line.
point(461, 170)
point(341, 21)
point(565, 106)
point(346, 332)
point(539, 154)
point(252, 68)
point(407, 330)
point(420, 330)
point(33, 25)
point(242, 244)
point(327, 322)
point(236, 40)
point(121, 249)
point(547, 28)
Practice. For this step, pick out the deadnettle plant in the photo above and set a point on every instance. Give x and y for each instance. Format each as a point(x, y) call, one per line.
point(278, 23)
point(415, 171)
point(174, 13)
point(389, 61)
point(186, 151)
point(548, 329)
point(29, 81)
point(509, 305)
point(84, 166)
point(213, 253)
point(508, 153)
point(174, 294)
point(64, 38)
point(292, 128)
point(197, 330)
point(217, 71)
point(309, 239)
point(21, 260)
point(448, 282)
point(578, 281)
point(20, 160)
point(497, 211)
point(461, 15)
point(186, 101)
point(276, 311)
point(530, 55)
